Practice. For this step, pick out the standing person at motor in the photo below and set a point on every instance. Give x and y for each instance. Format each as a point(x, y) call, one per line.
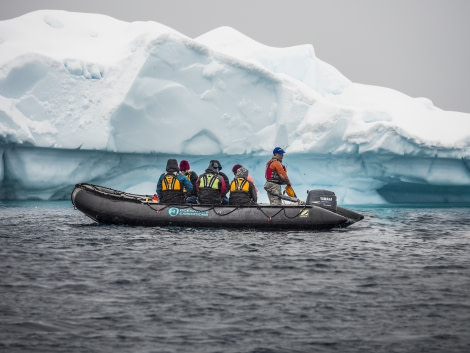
point(249, 177)
point(242, 191)
point(191, 196)
point(211, 186)
point(171, 184)
point(275, 176)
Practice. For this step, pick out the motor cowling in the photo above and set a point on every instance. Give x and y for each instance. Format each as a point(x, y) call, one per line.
point(322, 198)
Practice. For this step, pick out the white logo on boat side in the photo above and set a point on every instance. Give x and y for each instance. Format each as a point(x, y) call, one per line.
point(174, 211)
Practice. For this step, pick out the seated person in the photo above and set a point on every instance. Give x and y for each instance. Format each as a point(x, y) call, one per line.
point(250, 178)
point(185, 169)
point(211, 185)
point(242, 191)
point(216, 165)
point(171, 185)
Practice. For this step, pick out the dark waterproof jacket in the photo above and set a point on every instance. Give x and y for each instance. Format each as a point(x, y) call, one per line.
point(170, 188)
point(192, 176)
point(227, 182)
point(210, 187)
point(242, 192)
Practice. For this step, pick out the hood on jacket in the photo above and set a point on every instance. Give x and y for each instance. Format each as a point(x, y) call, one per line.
point(172, 166)
point(215, 164)
point(242, 172)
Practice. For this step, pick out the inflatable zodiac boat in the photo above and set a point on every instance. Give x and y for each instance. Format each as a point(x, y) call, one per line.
point(108, 206)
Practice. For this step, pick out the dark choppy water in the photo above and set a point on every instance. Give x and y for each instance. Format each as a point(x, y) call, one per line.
point(399, 281)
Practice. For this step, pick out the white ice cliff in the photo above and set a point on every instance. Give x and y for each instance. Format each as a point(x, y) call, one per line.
point(88, 98)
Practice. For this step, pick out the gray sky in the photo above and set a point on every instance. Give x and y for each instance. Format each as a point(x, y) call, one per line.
point(418, 47)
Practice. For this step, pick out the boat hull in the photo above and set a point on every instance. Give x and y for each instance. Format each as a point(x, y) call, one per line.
point(108, 206)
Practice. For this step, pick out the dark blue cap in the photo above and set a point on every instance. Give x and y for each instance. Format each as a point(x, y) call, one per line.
point(278, 150)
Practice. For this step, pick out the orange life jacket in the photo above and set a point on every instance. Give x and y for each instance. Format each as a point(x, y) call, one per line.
point(240, 184)
point(170, 182)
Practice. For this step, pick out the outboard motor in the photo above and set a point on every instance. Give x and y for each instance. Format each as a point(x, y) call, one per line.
point(322, 198)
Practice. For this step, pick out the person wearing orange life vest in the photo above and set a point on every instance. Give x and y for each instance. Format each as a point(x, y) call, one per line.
point(276, 176)
point(249, 177)
point(242, 191)
point(171, 185)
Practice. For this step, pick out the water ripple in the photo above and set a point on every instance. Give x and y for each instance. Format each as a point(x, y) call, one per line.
point(396, 282)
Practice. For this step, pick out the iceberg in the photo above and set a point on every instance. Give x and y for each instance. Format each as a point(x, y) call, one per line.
point(89, 98)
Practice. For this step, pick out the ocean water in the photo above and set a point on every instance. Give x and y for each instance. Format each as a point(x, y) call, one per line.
point(398, 281)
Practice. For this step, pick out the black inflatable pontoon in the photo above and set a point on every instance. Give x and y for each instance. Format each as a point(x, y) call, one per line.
point(108, 206)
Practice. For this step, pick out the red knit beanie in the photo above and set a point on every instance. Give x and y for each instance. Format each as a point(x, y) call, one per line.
point(235, 168)
point(184, 165)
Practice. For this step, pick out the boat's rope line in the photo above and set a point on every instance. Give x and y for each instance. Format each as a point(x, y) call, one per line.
point(146, 199)
point(190, 206)
point(222, 214)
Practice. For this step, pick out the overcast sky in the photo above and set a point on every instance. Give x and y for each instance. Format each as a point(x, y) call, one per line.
point(418, 47)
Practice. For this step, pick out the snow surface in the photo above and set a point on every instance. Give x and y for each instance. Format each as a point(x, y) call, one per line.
point(88, 98)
